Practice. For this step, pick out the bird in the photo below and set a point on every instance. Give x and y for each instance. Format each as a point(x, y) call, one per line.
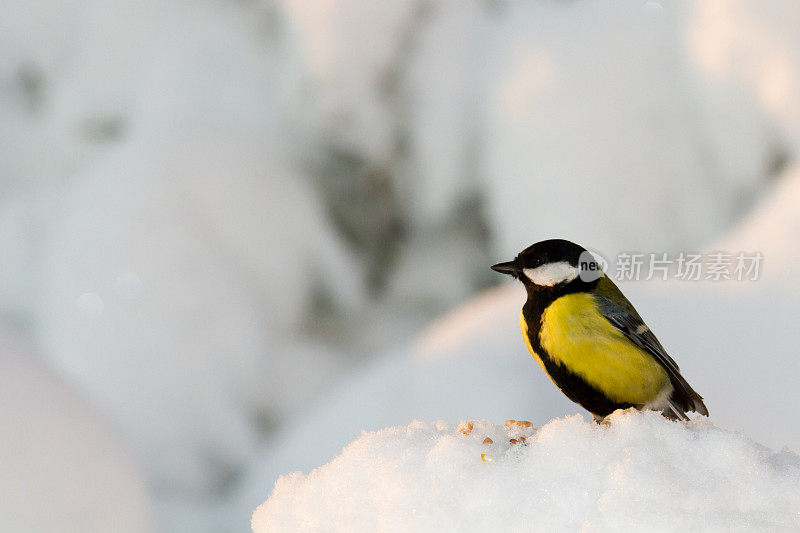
point(590, 340)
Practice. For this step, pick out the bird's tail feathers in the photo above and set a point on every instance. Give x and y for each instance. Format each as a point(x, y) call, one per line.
point(685, 398)
point(674, 412)
point(699, 406)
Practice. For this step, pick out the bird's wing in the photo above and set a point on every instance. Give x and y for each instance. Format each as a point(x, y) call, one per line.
point(633, 327)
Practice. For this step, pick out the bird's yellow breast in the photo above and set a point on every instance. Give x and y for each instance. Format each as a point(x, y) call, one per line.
point(577, 336)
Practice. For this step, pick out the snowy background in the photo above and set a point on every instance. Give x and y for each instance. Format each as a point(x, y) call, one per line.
point(235, 234)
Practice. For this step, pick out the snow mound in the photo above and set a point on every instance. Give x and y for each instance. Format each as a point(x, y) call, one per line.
point(640, 472)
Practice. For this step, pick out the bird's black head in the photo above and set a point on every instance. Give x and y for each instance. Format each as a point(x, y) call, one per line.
point(553, 263)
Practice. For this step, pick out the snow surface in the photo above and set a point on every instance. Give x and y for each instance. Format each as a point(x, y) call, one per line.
point(62, 466)
point(640, 473)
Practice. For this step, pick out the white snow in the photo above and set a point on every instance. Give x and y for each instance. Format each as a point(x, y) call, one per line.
point(63, 466)
point(772, 228)
point(146, 244)
point(640, 473)
point(470, 364)
point(348, 49)
point(751, 49)
point(597, 138)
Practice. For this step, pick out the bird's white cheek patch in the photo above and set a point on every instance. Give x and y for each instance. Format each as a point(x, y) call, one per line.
point(551, 273)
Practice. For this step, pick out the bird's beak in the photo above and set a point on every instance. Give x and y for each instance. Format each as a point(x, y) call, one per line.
point(509, 268)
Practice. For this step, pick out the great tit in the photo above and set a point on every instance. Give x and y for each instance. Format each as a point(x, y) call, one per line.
point(589, 339)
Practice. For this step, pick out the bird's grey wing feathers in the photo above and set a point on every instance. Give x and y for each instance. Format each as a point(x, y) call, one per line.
point(634, 328)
